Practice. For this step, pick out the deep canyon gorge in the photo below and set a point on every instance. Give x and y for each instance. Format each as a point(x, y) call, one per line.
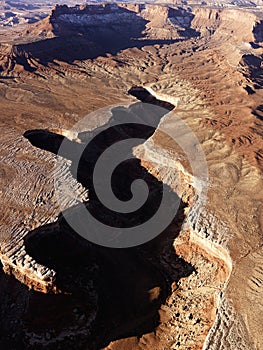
point(198, 285)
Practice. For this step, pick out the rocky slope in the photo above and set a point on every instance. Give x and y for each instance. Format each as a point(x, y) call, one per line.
point(211, 262)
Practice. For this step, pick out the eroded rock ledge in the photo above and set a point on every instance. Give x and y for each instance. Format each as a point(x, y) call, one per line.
point(25, 269)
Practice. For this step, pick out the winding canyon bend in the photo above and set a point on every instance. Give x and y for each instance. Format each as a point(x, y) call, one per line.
point(199, 284)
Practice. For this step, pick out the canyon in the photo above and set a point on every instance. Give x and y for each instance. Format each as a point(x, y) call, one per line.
point(198, 285)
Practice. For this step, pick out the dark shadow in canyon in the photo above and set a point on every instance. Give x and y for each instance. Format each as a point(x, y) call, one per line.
point(249, 90)
point(122, 288)
point(94, 144)
point(188, 33)
point(106, 293)
point(81, 48)
point(252, 68)
point(258, 112)
point(6, 78)
point(257, 31)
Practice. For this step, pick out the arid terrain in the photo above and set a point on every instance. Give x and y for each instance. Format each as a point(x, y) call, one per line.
point(198, 285)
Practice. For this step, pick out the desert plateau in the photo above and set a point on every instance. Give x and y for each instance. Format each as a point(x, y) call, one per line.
point(183, 80)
